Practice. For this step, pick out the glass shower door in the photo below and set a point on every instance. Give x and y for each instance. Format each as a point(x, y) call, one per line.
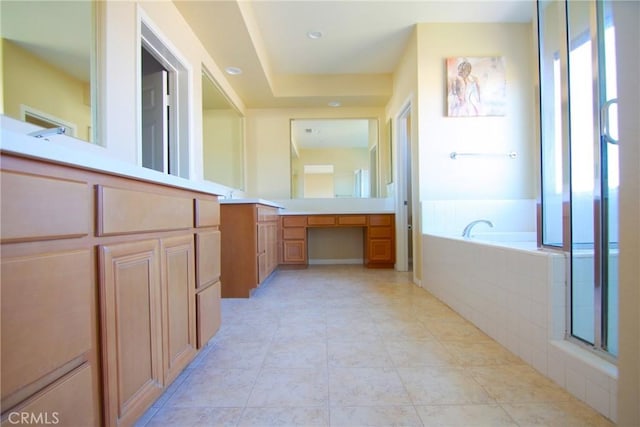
point(594, 173)
point(610, 175)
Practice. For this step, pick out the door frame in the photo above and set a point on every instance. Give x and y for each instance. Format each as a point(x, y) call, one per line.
point(403, 155)
point(179, 72)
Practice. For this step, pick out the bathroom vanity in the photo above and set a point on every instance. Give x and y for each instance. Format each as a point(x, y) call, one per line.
point(110, 283)
point(378, 229)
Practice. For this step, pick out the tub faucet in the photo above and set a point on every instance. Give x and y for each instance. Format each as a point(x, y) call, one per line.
point(467, 230)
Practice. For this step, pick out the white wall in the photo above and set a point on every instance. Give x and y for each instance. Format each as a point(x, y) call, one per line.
point(476, 178)
point(626, 18)
point(119, 47)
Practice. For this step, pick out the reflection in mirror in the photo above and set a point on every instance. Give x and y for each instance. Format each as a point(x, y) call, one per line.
point(47, 49)
point(222, 137)
point(334, 158)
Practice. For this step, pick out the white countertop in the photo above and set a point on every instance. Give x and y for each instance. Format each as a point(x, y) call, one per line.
point(250, 201)
point(285, 212)
point(69, 151)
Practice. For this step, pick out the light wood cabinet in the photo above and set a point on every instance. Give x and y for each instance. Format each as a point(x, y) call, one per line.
point(106, 281)
point(249, 247)
point(379, 236)
point(208, 312)
point(380, 244)
point(208, 242)
point(132, 328)
point(48, 317)
point(178, 311)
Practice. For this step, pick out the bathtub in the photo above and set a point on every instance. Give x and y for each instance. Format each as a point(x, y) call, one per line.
point(516, 293)
point(526, 240)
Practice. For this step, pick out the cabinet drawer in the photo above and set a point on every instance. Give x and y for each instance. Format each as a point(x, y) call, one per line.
point(352, 220)
point(70, 401)
point(380, 232)
point(294, 221)
point(207, 257)
point(294, 233)
point(207, 213)
point(41, 208)
point(208, 313)
point(380, 219)
point(46, 314)
point(321, 220)
point(123, 211)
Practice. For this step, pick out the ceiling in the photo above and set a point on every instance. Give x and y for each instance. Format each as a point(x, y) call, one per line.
point(361, 45)
point(352, 63)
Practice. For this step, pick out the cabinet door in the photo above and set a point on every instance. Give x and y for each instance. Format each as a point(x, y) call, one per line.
point(380, 251)
point(131, 328)
point(178, 311)
point(294, 252)
point(272, 250)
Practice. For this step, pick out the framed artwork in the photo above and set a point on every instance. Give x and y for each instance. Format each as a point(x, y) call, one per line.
point(476, 86)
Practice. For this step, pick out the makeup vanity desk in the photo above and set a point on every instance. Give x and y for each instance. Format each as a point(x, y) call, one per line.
point(379, 235)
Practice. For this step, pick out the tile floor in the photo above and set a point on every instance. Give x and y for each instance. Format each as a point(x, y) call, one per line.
point(348, 346)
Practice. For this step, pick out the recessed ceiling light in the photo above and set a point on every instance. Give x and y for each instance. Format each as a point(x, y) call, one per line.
point(234, 71)
point(335, 104)
point(314, 35)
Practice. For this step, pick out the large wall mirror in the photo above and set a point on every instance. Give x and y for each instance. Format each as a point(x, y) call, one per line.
point(48, 51)
point(332, 158)
point(222, 137)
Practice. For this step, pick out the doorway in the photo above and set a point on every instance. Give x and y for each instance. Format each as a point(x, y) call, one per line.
point(404, 202)
point(163, 105)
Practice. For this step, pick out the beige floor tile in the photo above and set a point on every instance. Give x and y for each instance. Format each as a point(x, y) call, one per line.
point(481, 353)
point(352, 330)
point(301, 331)
point(374, 416)
point(358, 354)
point(456, 331)
point(412, 353)
point(291, 353)
point(518, 383)
point(195, 417)
point(247, 332)
point(215, 388)
point(465, 416)
point(290, 387)
point(285, 417)
point(442, 386)
point(235, 354)
point(348, 346)
point(556, 414)
point(366, 387)
point(403, 330)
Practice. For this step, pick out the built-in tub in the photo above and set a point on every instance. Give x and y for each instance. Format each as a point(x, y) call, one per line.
point(516, 293)
point(514, 239)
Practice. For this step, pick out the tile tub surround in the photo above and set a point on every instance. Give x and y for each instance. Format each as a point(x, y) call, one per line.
point(348, 346)
point(517, 296)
